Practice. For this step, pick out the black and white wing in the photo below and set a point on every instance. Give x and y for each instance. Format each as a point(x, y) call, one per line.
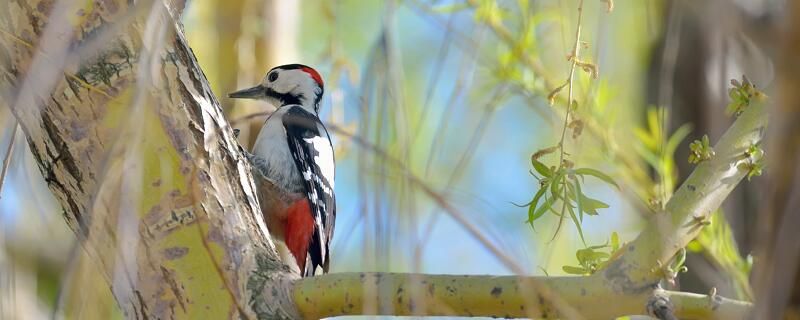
point(312, 151)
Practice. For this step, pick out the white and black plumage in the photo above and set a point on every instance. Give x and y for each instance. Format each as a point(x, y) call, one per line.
point(294, 153)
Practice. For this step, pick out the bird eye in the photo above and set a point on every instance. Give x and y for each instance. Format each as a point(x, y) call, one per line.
point(273, 76)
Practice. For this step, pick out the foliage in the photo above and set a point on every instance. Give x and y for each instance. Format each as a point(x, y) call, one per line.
point(593, 258)
point(753, 161)
point(742, 94)
point(670, 271)
point(658, 150)
point(562, 186)
point(701, 150)
point(716, 243)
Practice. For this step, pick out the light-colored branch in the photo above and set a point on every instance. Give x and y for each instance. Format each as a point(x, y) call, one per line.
point(488, 296)
point(699, 306)
point(575, 55)
point(691, 205)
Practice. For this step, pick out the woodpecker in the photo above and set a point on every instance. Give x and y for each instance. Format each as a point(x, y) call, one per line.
point(293, 157)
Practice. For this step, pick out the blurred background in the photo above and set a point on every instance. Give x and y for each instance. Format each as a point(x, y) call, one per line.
point(435, 108)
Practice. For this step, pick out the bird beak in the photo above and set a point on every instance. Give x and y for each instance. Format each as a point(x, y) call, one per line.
point(249, 93)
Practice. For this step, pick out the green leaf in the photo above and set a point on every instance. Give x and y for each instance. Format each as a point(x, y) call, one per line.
point(544, 271)
point(614, 241)
point(556, 182)
point(694, 246)
point(590, 205)
point(653, 124)
point(701, 150)
point(541, 168)
point(651, 158)
point(755, 170)
point(676, 138)
point(588, 256)
point(535, 202)
point(577, 223)
point(583, 255)
point(580, 195)
point(644, 137)
point(540, 212)
point(681, 257)
point(599, 256)
point(575, 270)
point(597, 174)
point(599, 246)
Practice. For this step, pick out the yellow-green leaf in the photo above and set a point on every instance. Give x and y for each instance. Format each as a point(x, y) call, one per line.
point(597, 174)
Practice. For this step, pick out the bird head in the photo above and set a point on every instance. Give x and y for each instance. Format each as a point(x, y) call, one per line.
point(285, 85)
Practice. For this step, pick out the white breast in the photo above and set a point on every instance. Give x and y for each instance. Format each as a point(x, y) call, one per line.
point(272, 147)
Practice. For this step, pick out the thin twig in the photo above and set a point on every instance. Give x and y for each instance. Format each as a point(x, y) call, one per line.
point(45, 56)
point(462, 83)
point(7, 159)
point(575, 52)
point(508, 37)
point(250, 116)
point(466, 156)
point(444, 50)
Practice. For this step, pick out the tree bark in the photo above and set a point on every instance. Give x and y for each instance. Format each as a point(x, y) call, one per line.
point(132, 142)
point(491, 296)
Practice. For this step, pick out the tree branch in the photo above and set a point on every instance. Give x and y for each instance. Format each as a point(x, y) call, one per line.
point(488, 296)
point(700, 306)
point(692, 204)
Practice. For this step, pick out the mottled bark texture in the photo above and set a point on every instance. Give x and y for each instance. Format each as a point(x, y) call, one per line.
point(491, 296)
point(134, 145)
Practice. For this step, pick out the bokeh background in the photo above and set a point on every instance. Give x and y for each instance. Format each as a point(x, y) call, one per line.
point(444, 102)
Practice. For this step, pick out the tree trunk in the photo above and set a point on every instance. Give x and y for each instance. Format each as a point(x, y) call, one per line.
point(132, 142)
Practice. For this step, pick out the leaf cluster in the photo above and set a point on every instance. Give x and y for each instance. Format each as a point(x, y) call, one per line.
point(754, 161)
point(657, 149)
point(742, 94)
point(593, 258)
point(701, 150)
point(562, 185)
point(671, 270)
point(717, 243)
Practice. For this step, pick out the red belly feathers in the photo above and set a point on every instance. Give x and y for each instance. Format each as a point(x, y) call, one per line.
point(299, 229)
